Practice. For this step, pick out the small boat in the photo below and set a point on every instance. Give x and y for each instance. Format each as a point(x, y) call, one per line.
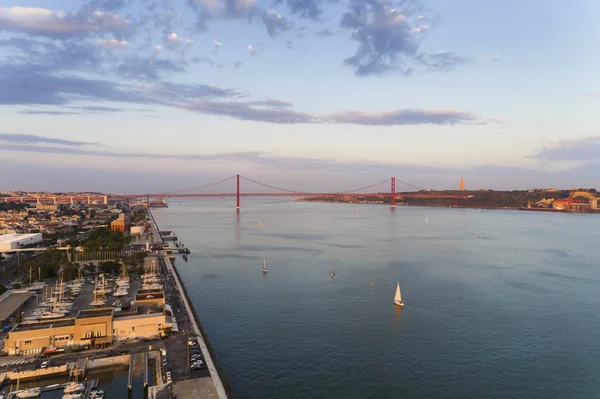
point(97, 394)
point(259, 224)
point(264, 268)
point(426, 221)
point(332, 272)
point(398, 297)
point(74, 387)
point(29, 393)
point(73, 396)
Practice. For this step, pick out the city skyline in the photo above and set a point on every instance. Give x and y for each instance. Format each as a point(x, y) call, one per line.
point(126, 96)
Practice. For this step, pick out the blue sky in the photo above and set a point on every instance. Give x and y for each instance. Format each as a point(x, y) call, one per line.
point(156, 95)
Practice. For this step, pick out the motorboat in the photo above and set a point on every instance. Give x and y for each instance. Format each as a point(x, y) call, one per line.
point(29, 393)
point(75, 387)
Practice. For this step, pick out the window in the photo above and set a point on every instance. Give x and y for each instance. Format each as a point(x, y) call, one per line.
point(132, 328)
point(27, 342)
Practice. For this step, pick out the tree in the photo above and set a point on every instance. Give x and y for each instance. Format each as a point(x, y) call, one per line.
point(110, 267)
point(70, 272)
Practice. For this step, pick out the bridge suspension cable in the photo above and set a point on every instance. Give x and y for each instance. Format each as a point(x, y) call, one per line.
point(300, 192)
point(201, 187)
point(410, 185)
point(269, 186)
point(364, 188)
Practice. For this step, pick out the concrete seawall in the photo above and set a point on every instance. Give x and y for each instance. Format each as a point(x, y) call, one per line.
point(122, 360)
point(37, 373)
point(207, 352)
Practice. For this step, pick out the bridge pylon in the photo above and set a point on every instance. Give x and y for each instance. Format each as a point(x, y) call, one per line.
point(393, 193)
point(237, 204)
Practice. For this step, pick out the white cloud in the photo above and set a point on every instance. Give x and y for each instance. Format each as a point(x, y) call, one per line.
point(28, 13)
point(215, 47)
point(420, 29)
point(44, 22)
point(157, 48)
point(173, 41)
point(111, 43)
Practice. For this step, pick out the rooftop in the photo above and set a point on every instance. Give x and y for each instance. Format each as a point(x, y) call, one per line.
point(139, 311)
point(40, 325)
point(13, 237)
point(154, 295)
point(86, 314)
point(11, 300)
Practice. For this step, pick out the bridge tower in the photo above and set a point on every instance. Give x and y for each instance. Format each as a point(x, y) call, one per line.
point(393, 193)
point(237, 205)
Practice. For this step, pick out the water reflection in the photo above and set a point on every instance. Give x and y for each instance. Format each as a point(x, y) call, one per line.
point(238, 229)
point(397, 316)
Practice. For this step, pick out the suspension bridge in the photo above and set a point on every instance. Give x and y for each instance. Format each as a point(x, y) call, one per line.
point(215, 190)
point(255, 188)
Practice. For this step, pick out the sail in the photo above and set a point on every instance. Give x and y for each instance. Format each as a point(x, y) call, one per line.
point(398, 296)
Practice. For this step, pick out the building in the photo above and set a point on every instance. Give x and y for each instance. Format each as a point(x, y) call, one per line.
point(562, 204)
point(46, 207)
point(462, 184)
point(137, 230)
point(142, 321)
point(10, 242)
point(121, 224)
point(91, 327)
point(11, 303)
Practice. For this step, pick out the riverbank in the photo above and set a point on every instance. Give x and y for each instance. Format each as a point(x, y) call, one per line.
point(515, 208)
point(223, 390)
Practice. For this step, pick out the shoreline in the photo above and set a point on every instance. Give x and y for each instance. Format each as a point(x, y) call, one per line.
point(398, 205)
point(216, 371)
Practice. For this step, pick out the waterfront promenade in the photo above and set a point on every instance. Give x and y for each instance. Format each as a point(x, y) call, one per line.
point(200, 390)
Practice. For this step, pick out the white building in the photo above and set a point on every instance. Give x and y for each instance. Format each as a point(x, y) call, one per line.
point(15, 241)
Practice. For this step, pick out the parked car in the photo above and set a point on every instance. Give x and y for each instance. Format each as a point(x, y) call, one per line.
point(197, 365)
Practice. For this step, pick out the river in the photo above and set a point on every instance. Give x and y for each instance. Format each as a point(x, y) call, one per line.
point(497, 303)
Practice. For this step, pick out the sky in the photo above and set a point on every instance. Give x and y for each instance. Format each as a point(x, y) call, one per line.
point(135, 96)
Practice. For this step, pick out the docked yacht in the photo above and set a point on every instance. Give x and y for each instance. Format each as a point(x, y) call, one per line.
point(75, 387)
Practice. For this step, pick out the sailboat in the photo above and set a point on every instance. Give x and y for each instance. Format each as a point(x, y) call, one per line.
point(332, 272)
point(259, 224)
point(426, 221)
point(398, 297)
point(264, 269)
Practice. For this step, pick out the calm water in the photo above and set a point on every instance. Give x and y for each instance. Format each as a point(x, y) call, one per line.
point(512, 314)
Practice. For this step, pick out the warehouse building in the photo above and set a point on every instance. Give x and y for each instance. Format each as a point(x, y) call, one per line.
point(10, 242)
point(92, 327)
point(11, 303)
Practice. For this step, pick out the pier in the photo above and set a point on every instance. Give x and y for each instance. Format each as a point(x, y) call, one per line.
point(130, 374)
point(206, 354)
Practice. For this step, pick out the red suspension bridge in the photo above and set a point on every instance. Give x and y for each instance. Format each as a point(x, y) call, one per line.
point(218, 190)
point(267, 190)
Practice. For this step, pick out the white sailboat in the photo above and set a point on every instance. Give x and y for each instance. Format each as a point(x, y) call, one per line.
point(398, 297)
point(264, 268)
point(426, 221)
point(332, 272)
